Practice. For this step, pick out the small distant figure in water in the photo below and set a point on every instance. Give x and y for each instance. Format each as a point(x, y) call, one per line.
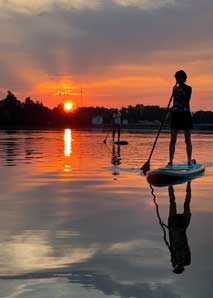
point(181, 118)
point(116, 124)
point(177, 225)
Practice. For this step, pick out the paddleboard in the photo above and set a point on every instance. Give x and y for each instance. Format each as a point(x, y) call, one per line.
point(178, 173)
point(120, 143)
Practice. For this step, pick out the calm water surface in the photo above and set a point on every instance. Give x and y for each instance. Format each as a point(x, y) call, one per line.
point(77, 219)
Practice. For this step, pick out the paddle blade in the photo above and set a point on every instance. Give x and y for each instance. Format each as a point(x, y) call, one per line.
point(105, 141)
point(146, 167)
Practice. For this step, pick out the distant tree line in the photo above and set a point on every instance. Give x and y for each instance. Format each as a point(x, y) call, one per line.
point(14, 113)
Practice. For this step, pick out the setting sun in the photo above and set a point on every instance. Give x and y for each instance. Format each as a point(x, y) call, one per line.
point(68, 106)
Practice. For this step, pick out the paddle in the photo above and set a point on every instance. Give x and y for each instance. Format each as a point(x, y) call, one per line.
point(146, 167)
point(106, 137)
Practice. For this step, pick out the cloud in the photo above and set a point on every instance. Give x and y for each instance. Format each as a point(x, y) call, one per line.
point(146, 4)
point(91, 40)
point(32, 252)
point(39, 6)
point(26, 6)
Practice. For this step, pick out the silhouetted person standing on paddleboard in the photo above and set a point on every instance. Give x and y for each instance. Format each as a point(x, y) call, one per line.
point(116, 124)
point(181, 118)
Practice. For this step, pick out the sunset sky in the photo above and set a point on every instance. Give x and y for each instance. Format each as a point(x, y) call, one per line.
point(119, 52)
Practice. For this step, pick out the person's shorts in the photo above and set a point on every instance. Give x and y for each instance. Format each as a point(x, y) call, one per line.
point(181, 120)
point(116, 126)
point(180, 221)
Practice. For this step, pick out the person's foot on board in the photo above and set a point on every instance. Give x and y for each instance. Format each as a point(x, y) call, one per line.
point(189, 163)
point(192, 162)
point(170, 164)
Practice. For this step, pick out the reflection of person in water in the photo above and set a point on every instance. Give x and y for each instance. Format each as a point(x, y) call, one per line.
point(116, 159)
point(177, 226)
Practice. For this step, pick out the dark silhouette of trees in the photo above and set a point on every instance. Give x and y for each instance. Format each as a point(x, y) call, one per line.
point(16, 113)
point(203, 117)
point(10, 109)
point(135, 114)
point(30, 113)
point(35, 113)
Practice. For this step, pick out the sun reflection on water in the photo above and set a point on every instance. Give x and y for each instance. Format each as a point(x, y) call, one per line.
point(67, 142)
point(67, 147)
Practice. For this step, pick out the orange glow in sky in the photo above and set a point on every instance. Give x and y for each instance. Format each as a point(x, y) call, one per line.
point(96, 71)
point(124, 85)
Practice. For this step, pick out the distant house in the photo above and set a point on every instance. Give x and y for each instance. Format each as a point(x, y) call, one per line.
point(97, 120)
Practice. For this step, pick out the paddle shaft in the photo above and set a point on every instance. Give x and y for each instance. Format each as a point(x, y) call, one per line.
point(106, 136)
point(162, 123)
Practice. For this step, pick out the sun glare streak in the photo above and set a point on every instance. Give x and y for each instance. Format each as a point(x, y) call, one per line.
point(67, 142)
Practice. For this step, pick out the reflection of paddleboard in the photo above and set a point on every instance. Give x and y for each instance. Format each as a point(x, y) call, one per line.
point(174, 174)
point(120, 143)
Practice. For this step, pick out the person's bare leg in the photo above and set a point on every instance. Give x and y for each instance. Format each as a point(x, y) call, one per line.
point(172, 206)
point(113, 134)
point(188, 141)
point(119, 133)
point(173, 139)
point(187, 199)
